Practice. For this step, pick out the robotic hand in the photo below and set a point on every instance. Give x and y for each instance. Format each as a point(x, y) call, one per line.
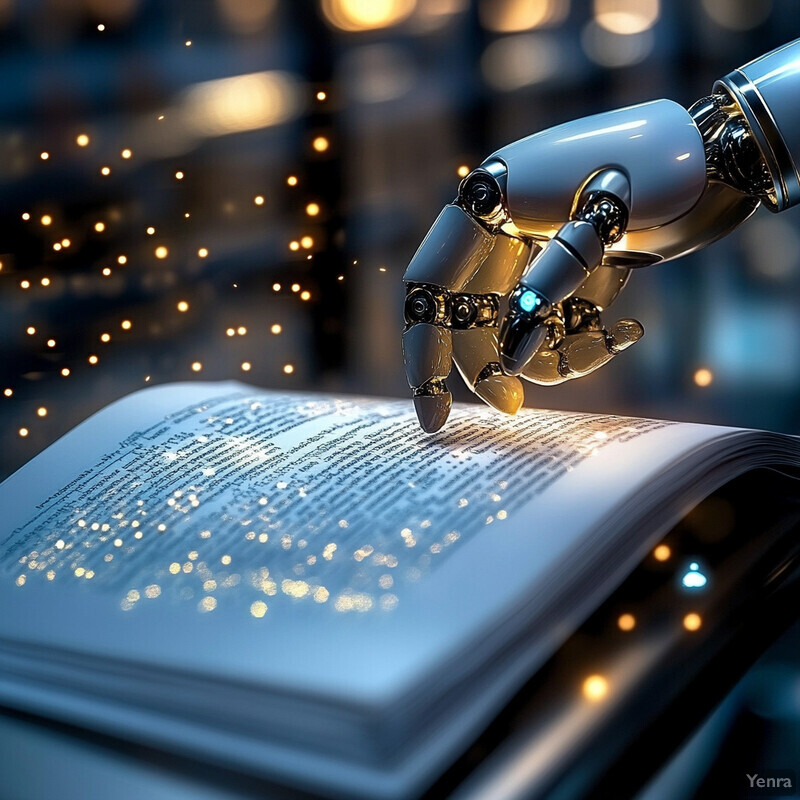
point(542, 236)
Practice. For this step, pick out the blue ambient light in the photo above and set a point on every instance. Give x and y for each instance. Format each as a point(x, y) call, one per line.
point(528, 300)
point(694, 579)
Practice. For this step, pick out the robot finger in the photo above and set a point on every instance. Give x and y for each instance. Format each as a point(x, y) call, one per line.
point(583, 353)
point(502, 267)
point(451, 253)
point(428, 357)
point(475, 355)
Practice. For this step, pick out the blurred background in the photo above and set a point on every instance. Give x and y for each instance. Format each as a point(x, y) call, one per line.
point(212, 189)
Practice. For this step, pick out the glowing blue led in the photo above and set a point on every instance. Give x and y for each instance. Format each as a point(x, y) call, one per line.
point(694, 579)
point(529, 300)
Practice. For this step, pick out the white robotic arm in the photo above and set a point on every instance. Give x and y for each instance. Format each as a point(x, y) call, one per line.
point(512, 277)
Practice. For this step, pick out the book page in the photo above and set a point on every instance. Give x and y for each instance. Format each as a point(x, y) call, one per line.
point(288, 529)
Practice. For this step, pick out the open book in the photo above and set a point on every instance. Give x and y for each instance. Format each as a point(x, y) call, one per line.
point(310, 589)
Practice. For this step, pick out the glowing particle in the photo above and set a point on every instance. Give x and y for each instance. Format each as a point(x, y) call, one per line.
point(292, 180)
point(152, 591)
point(65, 242)
point(320, 144)
point(45, 281)
point(46, 219)
point(276, 329)
point(226, 559)
point(294, 245)
point(178, 176)
point(258, 609)
point(106, 271)
point(122, 259)
point(662, 552)
point(65, 371)
point(182, 306)
point(57, 246)
point(41, 411)
point(26, 216)
point(288, 369)
point(259, 200)
point(23, 432)
point(82, 140)
point(105, 171)
point(246, 366)
point(126, 324)
point(463, 171)
point(241, 330)
point(321, 96)
point(24, 284)
point(30, 330)
point(126, 153)
point(160, 117)
point(703, 377)
point(150, 230)
point(196, 366)
point(694, 579)
point(105, 337)
point(161, 251)
point(312, 209)
point(230, 332)
point(202, 252)
point(117, 542)
point(51, 574)
point(295, 287)
point(44, 155)
point(51, 342)
point(93, 359)
point(692, 621)
point(188, 43)
point(101, 27)
point(99, 226)
point(20, 580)
point(276, 287)
point(307, 242)
point(626, 622)
point(8, 392)
point(79, 572)
point(595, 688)
point(174, 568)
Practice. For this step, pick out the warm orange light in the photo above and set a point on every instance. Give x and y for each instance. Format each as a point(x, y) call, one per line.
point(276, 287)
point(295, 287)
point(82, 139)
point(662, 552)
point(364, 15)
point(626, 622)
point(44, 156)
point(307, 242)
point(703, 377)
point(259, 200)
point(294, 245)
point(122, 259)
point(125, 324)
point(275, 328)
point(202, 252)
point(320, 144)
point(312, 209)
point(183, 306)
point(626, 17)
point(196, 366)
point(46, 219)
point(246, 366)
point(105, 170)
point(93, 359)
point(99, 226)
point(292, 180)
point(126, 153)
point(692, 622)
point(23, 432)
point(161, 251)
point(463, 171)
point(65, 371)
point(179, 175)
point(288, 369)
point(41, 411)
point(305, 295)
point(595, 688)
point(105, 337)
